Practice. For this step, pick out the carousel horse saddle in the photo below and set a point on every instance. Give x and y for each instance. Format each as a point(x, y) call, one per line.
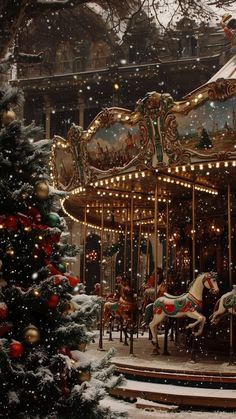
point(173, 296)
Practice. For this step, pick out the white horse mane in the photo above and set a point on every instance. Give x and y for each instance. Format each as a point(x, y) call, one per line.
point(197, 277)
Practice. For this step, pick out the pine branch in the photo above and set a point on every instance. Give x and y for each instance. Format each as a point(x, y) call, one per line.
point(11, 97)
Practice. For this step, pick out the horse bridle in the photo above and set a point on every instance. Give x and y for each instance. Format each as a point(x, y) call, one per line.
point(207, 278)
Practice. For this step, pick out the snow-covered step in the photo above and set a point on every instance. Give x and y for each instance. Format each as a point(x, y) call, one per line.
point(178, 395)
point(151, 406)
point(204, 378)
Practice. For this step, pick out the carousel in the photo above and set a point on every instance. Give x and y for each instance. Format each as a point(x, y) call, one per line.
point(156, 185)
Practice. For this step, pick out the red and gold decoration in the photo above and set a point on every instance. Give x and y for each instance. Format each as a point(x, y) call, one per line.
point(3, 311)
point(5, 327)
point(8, 117)
point(84, 376)
point(42, 190)
point(53, 301)
point(16, 350)
point(10, 222)
point(31, 335)
point(68, 308)
point(82, 346)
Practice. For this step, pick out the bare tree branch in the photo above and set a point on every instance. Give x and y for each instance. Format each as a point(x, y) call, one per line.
point(14, 14)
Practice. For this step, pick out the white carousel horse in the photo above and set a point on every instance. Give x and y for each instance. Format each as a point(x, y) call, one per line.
point(226, 304)
point(189, 304)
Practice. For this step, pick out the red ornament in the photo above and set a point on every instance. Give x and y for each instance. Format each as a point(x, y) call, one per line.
point(35, 215)
point(55, 238)
point(3, 311)
point(72, 280)
point(16, 349)
point(65, 351)
point(57, 279)
point(11, 222)
point(4, 328)
point(53, 301)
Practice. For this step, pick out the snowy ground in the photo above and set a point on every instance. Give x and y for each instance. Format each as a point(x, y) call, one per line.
point(179, 360)
point(135, 413)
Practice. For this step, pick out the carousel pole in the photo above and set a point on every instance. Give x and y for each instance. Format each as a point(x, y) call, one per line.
point(132, 241)
point(156, 348)
point(167, 239)
point(100, 346)
point(139, 267)
point(139, 252)
point(133, 283)
point(194, 341)
point(156, 237)
point(85, 233)
point(193, 234)
point(125, 243)
point(231, 348)
point(147, 252)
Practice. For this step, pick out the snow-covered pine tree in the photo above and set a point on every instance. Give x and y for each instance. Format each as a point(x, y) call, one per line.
point(43, 326)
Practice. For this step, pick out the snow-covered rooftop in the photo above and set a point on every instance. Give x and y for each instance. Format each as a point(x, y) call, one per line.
point(228, 71)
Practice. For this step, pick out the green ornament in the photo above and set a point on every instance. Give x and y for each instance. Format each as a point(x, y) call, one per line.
point(52, 219)
point(61, 267)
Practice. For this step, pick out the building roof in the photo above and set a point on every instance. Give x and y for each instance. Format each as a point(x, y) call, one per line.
point(228, 71)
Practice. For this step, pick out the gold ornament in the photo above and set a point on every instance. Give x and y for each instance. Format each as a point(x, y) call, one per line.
point(82, 346)
point(8, 117)
point(42, 190)
point(84, 376)
point(69, 308)
point(31, 335)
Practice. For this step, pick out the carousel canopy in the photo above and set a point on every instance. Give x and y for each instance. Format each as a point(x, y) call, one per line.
point(158, 151)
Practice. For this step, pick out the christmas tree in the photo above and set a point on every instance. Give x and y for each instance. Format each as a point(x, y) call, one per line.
point(44, 326)
point(205, 141)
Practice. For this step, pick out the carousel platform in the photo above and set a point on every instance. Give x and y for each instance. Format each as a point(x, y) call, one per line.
point(208, 383)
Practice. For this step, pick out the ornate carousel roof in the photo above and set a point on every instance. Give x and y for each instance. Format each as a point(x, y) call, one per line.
point(160, 150)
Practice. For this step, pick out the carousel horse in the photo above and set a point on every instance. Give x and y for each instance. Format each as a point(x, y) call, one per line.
point(188, 304)
point(123, 306)
point(149, 298)
point(226, 304)
point(147, 289)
